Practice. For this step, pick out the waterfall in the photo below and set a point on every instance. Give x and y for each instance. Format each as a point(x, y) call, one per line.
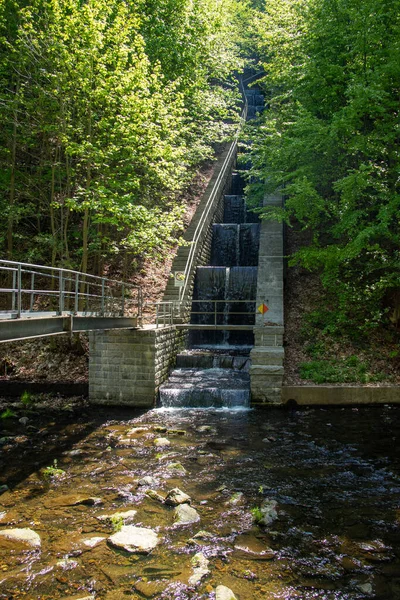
point(214, 371)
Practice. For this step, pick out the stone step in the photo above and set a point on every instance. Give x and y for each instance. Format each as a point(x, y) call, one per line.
point(208, 360)
point(205, 388)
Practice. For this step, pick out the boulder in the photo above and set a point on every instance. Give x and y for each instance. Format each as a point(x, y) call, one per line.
point(135, 539)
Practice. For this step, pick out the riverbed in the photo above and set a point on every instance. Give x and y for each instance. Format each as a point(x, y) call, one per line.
point(286, 504)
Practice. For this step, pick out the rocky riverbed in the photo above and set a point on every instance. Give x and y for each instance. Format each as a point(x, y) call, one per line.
point(197, 505)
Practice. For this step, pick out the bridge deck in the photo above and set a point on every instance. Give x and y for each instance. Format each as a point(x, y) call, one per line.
point(34, 326)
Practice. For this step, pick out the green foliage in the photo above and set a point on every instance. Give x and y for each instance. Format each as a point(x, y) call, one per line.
point(257, 514)
point(53, 471)
point(117, 522)
point(348, 370)
point(106, 109)
point(330, 141)
point(26, 399)
point(7, 414)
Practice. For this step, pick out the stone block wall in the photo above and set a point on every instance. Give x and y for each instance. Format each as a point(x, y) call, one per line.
point(266, 371)
point(126, 367)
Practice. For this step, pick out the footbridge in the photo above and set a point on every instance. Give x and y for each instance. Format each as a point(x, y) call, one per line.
point(40, 301)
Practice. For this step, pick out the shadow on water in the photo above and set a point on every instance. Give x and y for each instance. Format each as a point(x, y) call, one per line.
point(326, 483)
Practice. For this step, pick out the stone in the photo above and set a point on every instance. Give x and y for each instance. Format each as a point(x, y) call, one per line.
point(4, 488)
point(149, 589)
point(79, 598)
point(176, 497)
point(365, 588)
point(154, 495)
point(176, 468)
point(224, 593)
point(72, 500)
point(136, 430)
point(135, 539)
point(94, 541)
point(200, 569)
point(148, 480)
point(27, 536)
point(268, 511)
point(237, 498)
point(185, 515)
point(203, 535)
point(160, 442)
point(67, 564)
point(126, 515)
point(23, 420)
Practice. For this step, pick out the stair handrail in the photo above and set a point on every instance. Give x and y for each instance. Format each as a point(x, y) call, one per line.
point(210, 201)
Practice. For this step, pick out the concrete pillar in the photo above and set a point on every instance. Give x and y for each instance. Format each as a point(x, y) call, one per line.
point(126, 367)
point(266, 372)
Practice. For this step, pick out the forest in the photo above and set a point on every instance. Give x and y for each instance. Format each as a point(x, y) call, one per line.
point(109, 108)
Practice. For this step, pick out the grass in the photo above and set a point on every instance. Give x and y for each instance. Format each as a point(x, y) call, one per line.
point(346, 370)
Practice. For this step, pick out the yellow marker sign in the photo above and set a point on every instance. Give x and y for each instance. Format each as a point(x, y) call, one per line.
point(263, 308)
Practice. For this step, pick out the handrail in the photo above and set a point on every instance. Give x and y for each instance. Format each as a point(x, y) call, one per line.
point(221, 175)
point(77, 292)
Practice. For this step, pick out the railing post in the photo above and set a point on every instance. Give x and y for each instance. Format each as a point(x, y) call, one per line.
point(157, 314)
point(140, 307)
point(123, 300)
point(14, 284)
point(61, 292)
point(103, 289)
point(32, 288)
point(76, 307)
point(19, 292)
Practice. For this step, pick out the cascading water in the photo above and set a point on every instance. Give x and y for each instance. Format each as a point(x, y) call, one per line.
point(214, 371)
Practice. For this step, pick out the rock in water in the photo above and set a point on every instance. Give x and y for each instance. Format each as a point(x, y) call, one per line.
point(268, 510)
point(161, 442)
point(135, 539)
point(185, 514)
point(176, 497)
point(27, 536)
point(200, 568)
point(224, 593)
point(149, 481)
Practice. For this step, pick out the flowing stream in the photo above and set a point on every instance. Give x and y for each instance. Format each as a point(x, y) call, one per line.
point(327, 483)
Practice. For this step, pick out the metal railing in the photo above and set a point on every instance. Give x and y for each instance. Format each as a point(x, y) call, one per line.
point(166, 313)
point(214, 193)
point(29, 290)
point(222, 313)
